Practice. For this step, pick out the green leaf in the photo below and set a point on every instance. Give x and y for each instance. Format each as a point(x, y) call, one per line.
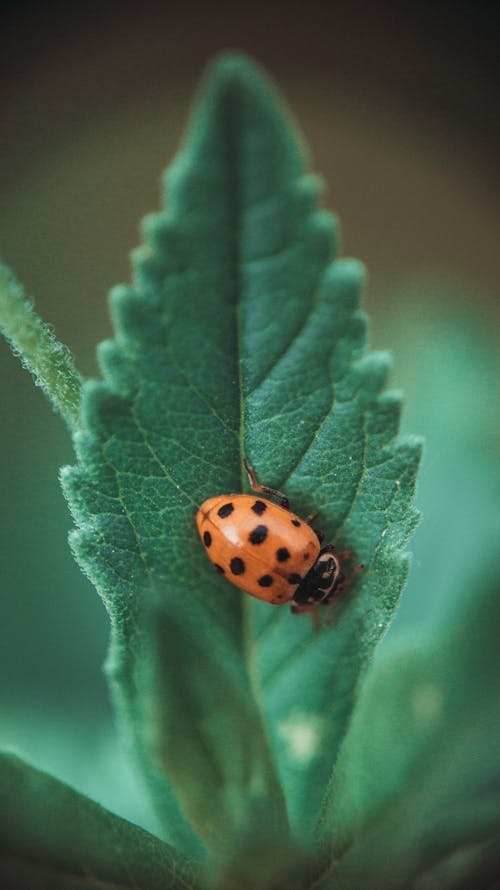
point(51, 836)
point(475, 866)
point(238, 337)
point(419, 805)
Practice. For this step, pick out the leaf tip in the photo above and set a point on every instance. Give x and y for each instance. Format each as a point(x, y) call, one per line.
point(234, 67)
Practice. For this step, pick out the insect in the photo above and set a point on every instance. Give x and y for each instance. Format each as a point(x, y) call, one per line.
point(269, 552)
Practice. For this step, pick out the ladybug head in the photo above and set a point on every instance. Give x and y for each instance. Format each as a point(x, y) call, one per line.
point(319, 584)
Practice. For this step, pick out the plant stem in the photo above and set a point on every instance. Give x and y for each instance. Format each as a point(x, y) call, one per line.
point(48, 361)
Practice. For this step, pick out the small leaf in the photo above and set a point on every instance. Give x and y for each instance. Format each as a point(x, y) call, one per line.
point(51, 836)
point(474, 866)
point(239, 337)
point(423, 795)
point(48, 361)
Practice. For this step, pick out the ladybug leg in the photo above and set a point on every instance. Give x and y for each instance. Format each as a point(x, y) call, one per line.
point(349, 578)
point(346, 554)
point(310, 519)
point(340, 557)
point(315, 619)
point(329, 614)
point(297, 609)
point(263, 489)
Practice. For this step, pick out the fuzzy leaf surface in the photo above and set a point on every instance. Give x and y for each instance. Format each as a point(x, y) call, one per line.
point(238, 337)
point(52, 836)
point(419, 806)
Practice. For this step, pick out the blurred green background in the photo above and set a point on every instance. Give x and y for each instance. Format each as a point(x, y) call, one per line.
point(399, 108)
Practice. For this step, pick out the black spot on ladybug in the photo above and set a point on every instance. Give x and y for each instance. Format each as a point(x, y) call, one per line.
point(282, 554)
point(294, 578)
point(237, 565)
point(259, 507)
point(306, 555)
point(218, 569)
point(207, 539)
point(295, 522)
point(258, 535)
point(265, 580)
point(225, 510)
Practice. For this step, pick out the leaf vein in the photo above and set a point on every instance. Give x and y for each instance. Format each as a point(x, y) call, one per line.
point(294, 338)
point(155, 457)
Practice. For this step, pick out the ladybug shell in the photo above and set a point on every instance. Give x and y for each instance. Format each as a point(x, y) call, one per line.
point(260, 547)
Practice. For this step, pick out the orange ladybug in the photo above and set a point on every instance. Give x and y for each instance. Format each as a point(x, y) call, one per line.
point(269, 552)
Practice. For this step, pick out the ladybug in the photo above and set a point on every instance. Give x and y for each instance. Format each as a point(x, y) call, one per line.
point(269, 552)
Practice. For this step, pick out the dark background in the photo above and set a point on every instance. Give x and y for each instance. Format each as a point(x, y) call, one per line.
point(398, 103)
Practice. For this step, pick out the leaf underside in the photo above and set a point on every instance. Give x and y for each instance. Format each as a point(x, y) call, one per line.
point(52, 836)
point(238, 337)
point(419, 805)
